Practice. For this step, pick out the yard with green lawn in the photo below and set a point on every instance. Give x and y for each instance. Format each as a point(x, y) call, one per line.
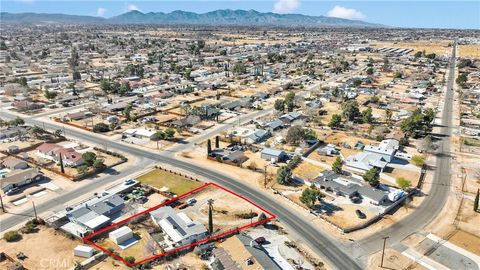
point(175, 183)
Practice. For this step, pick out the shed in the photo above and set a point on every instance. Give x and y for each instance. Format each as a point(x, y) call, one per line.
point(83, 251)
point(272, 154)
point(121, 235)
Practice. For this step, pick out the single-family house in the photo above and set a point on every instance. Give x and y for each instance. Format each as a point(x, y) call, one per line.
point(53, 151)
point(18, 178)
point(290, 117)
point(96, 213)
point(178, 226)
point(14, 163)
point(258, 135)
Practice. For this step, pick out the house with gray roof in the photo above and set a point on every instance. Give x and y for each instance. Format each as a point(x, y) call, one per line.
point(258, 135)
point(96, 213)
point(374, 156)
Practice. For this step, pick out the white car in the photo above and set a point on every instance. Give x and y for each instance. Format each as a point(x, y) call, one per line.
point(191, 201)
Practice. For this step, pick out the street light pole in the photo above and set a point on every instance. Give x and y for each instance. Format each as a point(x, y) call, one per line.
point(383, 249)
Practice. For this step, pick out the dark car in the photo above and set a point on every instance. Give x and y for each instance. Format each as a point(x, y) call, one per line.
point(360, 214)
point(260, 240)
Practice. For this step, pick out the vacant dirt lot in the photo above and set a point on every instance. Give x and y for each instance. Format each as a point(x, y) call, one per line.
point(45, 249)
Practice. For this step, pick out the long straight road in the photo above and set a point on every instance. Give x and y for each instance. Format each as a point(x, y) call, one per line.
point(437, 196)
point(332, 251)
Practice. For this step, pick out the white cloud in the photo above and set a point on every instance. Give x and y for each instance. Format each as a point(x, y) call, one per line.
point(101, 11)
point(131, 7)
point(284, 6)
point(346, 13)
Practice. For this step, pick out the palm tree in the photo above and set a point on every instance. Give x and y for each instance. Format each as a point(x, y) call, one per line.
point(210, 216)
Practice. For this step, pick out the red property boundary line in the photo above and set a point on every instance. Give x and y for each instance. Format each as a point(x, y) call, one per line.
point(86, 239)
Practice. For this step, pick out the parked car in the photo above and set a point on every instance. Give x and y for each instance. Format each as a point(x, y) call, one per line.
point(191, 201)
point(182, 206)
point(12, 191)
point(260, 240)
point(360, 214)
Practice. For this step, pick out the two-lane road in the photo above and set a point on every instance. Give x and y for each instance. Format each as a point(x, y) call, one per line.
point(437, 196)
point(332, 251)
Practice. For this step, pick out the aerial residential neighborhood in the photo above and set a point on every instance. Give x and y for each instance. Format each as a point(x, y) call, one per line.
point(138, 137)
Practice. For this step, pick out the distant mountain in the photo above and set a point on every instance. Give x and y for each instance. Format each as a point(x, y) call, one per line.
point(217, 17)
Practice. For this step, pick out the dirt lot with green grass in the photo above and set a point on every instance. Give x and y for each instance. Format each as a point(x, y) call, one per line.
point(175, 183)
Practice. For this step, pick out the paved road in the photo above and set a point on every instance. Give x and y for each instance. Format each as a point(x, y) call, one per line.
point(322, 244)
point(13, 218)
point(436, 198)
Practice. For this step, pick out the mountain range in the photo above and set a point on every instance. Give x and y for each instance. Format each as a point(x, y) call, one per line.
point(178, 17)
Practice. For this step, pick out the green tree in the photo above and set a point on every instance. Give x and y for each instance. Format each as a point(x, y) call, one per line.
point(169, 132)
point(370, 71)
point(16, 122)
point(337, 165)
point(82, 169)
point(367, 115)
point(124, 88)
point(106, 86)
point(159, 135)
point(3, 46)
point(290, 101)
point(372, 176)
point(475, 203)
point(98, 163)
point(209, 146)
point(388, 116)
point(50, 94)
point(310, 196)
point(12, 236)
point(279, 105)
point(100, 128)
point(335, 121)
point(89, 158)
point(62, 167)
point(295, 134)
point(284, 175)
point(403, 183)
point(418, 160)
point(350, 110)
point(217, 141)
point(239, 68)
point(130, 259)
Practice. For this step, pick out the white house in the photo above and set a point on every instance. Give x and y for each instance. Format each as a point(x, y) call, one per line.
point(374, 156)
point(177, 226)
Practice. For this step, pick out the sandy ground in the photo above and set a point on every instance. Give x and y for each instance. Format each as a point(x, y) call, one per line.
point(226, 208)
point(46, 249)
point(393, 260)
point(469, 51)
point(439, 47)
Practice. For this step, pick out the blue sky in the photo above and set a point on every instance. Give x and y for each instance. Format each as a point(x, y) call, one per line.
point(407, 13)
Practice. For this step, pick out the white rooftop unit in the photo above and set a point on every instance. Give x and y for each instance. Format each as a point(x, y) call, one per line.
point(121, 235)
point(83, 251)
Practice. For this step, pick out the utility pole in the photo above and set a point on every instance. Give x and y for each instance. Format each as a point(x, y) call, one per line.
point(265, 176)
point(35, 211)
point(1, 202)
point(383, 249)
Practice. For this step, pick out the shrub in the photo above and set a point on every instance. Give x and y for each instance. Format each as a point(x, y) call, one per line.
point(248, 215)
point(130, 259)
point(418, 160)
point(12, 236)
